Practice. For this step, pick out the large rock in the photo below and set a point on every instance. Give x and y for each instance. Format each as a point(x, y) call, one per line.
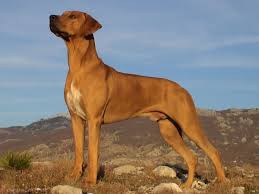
point(166, 187)
point(164, 171)
point(127, 169)
point(65, 189)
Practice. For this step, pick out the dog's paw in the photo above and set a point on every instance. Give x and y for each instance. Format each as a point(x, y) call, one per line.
point(74, 176)
point(88, 182)
point(186, 185)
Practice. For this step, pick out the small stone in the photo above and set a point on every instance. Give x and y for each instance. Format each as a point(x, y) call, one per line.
point(38, 189)
point(166, 187)
point(127, 169)
point(199, 185)
point(257, 142)
point(164, 171)
point(130, 192)
point(244, 140)
point(238, 190)
point(140, 170)
point(142, 188)
point(65, 189)
point(248, 174)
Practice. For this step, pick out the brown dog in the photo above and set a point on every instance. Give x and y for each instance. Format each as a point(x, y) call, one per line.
point(97, 93)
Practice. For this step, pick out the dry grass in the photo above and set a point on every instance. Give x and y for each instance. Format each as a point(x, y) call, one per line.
point(38, 176)
point(111, 184)
point(47, 176)
point(237, 179)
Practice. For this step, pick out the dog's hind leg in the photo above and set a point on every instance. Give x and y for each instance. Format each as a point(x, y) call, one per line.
point(196, 134)
point(172, 136)
point(186, 117)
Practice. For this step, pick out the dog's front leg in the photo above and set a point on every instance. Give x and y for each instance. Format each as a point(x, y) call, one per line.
point(78, 127)
point(94, 126)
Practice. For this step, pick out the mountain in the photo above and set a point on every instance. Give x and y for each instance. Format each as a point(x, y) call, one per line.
point(235, 132)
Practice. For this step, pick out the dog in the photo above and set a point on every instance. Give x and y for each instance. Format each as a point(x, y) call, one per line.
point(95, 94)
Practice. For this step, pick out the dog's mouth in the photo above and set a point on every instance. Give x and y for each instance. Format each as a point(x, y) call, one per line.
point(57, 32)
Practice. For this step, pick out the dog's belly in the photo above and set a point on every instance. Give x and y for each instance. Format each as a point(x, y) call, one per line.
point(74, 101)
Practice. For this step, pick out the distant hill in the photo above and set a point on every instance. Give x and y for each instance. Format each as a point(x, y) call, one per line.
point(234, 131)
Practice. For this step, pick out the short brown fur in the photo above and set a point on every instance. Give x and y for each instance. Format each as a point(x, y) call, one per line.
point(99, 94)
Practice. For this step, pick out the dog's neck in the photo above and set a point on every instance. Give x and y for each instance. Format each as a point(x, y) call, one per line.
point(82, 54)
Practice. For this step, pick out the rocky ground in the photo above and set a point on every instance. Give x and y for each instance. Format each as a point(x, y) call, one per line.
point(137, 144)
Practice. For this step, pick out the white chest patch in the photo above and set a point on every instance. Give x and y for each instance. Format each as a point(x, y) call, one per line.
point(73, 100)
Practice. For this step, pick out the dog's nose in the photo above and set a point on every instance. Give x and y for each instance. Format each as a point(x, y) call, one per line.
point(52, 17)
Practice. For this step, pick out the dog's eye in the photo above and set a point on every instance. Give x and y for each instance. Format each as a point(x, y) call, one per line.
point(72, 16)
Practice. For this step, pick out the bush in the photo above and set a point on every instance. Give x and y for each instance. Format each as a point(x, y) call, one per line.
point(16, 161)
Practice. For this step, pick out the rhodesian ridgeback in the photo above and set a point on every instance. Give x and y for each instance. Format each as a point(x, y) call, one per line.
point(98, 94)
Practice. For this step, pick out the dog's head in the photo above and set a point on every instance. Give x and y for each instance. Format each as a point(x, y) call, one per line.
point(73, 24)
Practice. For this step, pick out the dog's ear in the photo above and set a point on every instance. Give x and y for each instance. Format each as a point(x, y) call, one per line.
point(90, 25)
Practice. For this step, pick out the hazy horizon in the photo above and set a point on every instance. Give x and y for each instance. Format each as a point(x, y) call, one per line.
point(67, 114)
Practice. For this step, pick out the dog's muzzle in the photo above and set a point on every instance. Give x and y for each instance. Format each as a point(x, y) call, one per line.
point(53, 20)
point(52, 23)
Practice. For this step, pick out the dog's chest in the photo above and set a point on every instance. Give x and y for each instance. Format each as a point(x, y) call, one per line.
point(74, 98)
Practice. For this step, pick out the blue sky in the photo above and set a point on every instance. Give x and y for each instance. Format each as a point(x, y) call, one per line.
point(210, 47)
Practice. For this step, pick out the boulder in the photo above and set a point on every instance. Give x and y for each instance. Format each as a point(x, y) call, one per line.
point(65, 189)
point(164, 171)
point(127, 169)
point(166, 187)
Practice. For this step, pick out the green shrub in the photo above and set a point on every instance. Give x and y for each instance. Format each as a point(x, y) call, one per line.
point(15, 160)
